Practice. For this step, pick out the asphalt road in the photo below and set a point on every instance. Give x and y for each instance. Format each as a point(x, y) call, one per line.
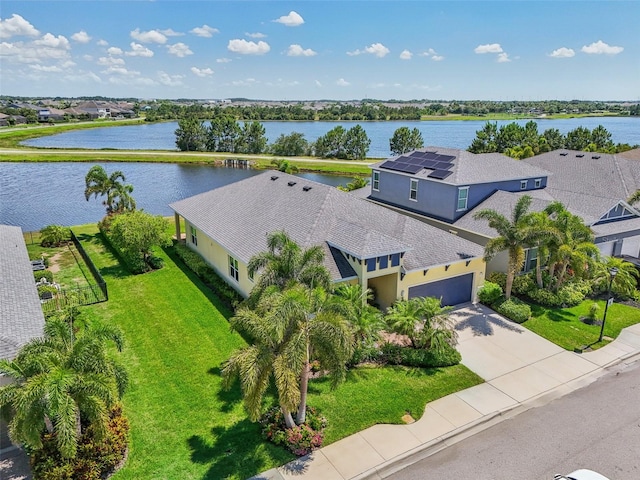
point(597, 427)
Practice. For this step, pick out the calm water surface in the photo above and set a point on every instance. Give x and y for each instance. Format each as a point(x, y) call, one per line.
point(34, 195)
point(453, 134)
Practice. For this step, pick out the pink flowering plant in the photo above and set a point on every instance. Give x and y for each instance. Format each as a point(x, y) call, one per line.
point(301, 439)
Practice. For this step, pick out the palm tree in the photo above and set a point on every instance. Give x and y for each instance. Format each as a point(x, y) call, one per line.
point(634, 198)
point(285, 264)
point(424, 320)
point(60, 382)
point(365, 320)
point(355, 184)
point(572, 247)
point(288, 330)
point(513, 236)
point(117, 194)
point(624, 283)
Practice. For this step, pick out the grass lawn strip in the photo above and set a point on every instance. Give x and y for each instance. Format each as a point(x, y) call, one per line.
point(564, 327)
point(183, 425)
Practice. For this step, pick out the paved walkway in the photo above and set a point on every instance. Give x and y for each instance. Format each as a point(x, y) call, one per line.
point(521, 370)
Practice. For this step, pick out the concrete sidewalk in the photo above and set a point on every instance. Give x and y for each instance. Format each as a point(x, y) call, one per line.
point(521, 370)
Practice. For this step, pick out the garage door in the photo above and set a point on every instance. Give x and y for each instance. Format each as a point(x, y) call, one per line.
point(452, 290)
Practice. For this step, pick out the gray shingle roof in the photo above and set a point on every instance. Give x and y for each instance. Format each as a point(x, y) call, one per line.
point(21, 317)
point(471, 168)
point(240, 216)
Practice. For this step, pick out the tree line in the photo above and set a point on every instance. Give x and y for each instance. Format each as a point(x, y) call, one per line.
point(518, 141)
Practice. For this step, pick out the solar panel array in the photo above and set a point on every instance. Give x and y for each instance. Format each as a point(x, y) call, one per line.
point(417, 161)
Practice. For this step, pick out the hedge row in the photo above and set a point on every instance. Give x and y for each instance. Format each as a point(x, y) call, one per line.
point(208, 275)
point(394, 354)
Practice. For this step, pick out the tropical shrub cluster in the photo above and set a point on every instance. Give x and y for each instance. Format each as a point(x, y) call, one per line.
point(54, 235)
point(40, 274)
point(394, 354)
point(97, 455)
point(514, 309)
point(208, 275)
point(300, 439)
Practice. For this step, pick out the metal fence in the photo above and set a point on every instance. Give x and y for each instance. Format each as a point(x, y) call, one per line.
point(87, 295)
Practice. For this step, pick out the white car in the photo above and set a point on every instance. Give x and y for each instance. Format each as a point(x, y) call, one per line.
point(582, 474)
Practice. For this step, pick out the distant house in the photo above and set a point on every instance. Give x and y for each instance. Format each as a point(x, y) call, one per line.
point(594, 186)
point(396, 256)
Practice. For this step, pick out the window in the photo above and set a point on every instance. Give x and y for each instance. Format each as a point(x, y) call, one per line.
point(376, 180)
point(383, 262)
point(233, 268)
point(395, 259)
point(532, 259)
point(413, 190)
point(194, 235)
point(538, 182)
point(463, 196)
point(523, 184)
point(371, 264)
point(250, 275)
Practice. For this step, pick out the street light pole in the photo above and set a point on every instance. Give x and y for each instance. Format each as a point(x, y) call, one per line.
point(613, 272)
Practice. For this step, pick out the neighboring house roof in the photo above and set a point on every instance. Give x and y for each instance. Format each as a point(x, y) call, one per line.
point(239, 216)
point(471, 168)
point(21, 317)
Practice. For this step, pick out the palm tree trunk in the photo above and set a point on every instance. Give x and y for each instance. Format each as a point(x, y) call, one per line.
point(304, 386)
point(78, 425)
point(561, 274)
point(509, 283)
point(539, 271)
point(288, 418)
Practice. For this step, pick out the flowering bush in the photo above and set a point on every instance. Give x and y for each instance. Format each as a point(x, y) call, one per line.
point(301, 439)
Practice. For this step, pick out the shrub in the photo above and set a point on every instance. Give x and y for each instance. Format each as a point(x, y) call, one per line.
point(47, 291)
point(514, 309)
point(40, 274)
point(301, 439)
point(568, 295)
point(395, 354)
point(489, 293)
point(208, 275)
point(363, 354)
point(54, 235)
point(499, 278)
point(95, 458)
point(522, 284)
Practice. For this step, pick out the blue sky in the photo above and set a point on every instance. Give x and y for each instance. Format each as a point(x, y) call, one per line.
point(308, 50)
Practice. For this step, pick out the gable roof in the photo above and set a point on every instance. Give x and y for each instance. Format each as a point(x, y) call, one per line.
point(239, 216)
point(21, 317)
point(471, 168)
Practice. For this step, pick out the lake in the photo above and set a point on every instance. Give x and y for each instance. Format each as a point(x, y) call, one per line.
point(34, 195)
point(453, 134)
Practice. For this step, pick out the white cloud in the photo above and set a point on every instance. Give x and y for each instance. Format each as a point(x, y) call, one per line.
point(110, 61)
point(170, 80)
point(406, 55)
point(488, 48)
point(562, 52)
point(169, 32)
point(255, 35)
point(204, 31)
point(431, 53)
point(503, 57)
point(248, 48)
point(599, 48)
point(81, 37)
point(87, 57)
point(114, 51)
point(152, 36)
point(223, 60)
point(248, 82)
point(119, 70)
point(138, 50)
point(377, 49)
point(46, 68)
point(291, 20)
point(103, 43)
point(318, 83)
point(17, 26)
point(201, 72)
point(342, 82)
point(51, 41)
point(437, 58)
point(179, 50)
point(296, 50)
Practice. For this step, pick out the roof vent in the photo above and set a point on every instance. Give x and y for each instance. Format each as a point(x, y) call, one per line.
point(291, 184)
point(563, 154)
point(275, 177)
point(595, 157)
point(306, 188)
point(580, 155)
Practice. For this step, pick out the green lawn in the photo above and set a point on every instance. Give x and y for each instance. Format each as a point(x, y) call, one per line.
point(183, 426)
point(564, 327)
